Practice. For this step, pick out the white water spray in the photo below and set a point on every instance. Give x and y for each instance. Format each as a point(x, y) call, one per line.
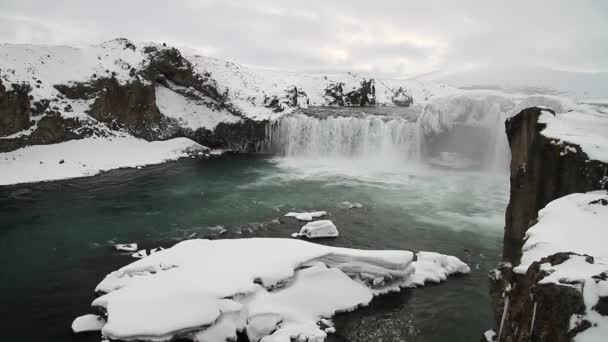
point(371, 137)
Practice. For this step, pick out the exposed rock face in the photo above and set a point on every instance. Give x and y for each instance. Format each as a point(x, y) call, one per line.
point(364, 95)
point(14, 108)
point(244, 136)
point(294, 98)
point(542, 170)
point(537, 311)
point(402, 98)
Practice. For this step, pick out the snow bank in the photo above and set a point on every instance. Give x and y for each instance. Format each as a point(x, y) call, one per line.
point(435, 268)
point(318, 229)
point(274, 289)
point(193, 114)
point(575, 223)
point(568, 224)
point(306, 216)
point(87, 157)
point(588, 129)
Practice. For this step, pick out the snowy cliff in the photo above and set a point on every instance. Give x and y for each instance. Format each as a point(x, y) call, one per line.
point(551, 285)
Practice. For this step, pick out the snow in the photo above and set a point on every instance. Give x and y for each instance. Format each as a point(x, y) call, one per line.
point(318, 229)
point(435, 267)
point(88, 322)
point(191, 113)
point(574, 223)
point(553, 233)
point(306, 216)
point(140, 254)
point(126, 247)
point(274, 289)
point(87, 157)
point(490, 335)
point(588, 129)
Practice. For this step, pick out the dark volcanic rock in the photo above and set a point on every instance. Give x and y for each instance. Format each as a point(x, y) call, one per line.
point(244, 136)
point(14, 108)
point(536, 312)
point(52, 129)
point(364, 95)
point(542, 170)
point(402, 98)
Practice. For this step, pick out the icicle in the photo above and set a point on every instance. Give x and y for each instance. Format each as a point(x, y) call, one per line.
point(504, 315)
point(533, 318)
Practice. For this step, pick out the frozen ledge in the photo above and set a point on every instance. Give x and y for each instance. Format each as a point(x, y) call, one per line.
point(271, 289)
point(88, 157)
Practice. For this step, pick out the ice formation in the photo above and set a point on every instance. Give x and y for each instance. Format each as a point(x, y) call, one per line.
point(306, 216)
point(272, 289)
point(90, 156)
point(318, 229)
point(126, 247)
point(88, 322)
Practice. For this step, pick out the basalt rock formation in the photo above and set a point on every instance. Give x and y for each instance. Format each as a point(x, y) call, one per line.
point(14, 108)
point(60, 94)
point(542, 170)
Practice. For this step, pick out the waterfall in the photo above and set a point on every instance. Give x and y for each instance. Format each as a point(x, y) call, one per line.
point(369, 137)
point(454, 133)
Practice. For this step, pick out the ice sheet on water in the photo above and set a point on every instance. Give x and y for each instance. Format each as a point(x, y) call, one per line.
point(306, 216)
point(274, 289)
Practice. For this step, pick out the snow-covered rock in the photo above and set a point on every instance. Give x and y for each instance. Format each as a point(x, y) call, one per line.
point(435, 267)
point(306, 216)
point(126, 247)
point(274, 289)
point(348, 205)
point(87, 157)
point(318, 229)
point(88, 322)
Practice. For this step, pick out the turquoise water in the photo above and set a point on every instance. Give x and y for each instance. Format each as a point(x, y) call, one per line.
point(56, 238)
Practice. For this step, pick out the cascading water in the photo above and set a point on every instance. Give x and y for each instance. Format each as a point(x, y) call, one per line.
point(458, 134)
point(365, 138)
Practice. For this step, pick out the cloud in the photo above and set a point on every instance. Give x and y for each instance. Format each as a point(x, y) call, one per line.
point(394, 38)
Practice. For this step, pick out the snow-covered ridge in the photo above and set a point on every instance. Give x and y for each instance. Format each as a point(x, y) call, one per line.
point(272, 289)
point(575, 227)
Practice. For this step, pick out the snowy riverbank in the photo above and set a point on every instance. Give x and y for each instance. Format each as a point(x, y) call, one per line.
point(90, 156)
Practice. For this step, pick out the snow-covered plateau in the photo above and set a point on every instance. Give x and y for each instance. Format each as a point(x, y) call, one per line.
point(272, 289)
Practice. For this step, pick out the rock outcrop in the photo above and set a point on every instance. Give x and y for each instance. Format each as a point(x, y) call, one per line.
point(402, 98)
point(542, 170)
point(14, 108)
point(361, 96)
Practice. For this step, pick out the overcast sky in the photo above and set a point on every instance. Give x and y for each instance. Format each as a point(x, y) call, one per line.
point(392, 38)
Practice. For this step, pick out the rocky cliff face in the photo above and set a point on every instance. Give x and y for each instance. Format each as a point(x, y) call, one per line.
point(55, 94)
point(542, 170)
point(14, 108)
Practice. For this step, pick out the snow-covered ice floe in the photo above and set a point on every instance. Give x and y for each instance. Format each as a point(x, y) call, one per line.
point(577, 223)
point(87, 157)
point(271, 289)
point(307, 216)
point(88, 322)
point(126, 247)
point(317, 229)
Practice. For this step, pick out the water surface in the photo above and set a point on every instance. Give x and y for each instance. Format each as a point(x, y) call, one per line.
point(55, 238)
